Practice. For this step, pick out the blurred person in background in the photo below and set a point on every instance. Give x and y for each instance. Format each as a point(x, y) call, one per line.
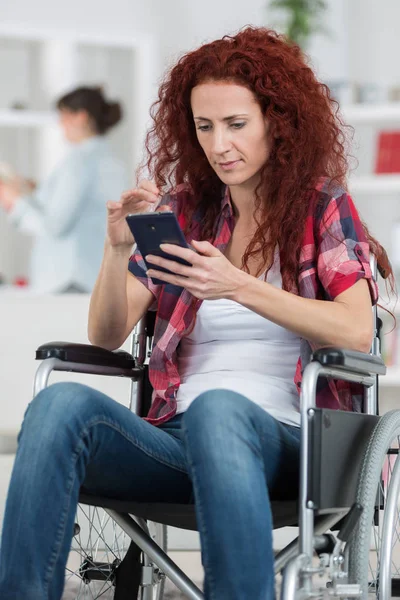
point(67, 212)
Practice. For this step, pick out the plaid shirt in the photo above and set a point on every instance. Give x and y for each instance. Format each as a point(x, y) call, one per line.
point(329, 265)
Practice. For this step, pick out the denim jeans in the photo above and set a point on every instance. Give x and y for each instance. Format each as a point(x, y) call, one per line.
point(224, 452)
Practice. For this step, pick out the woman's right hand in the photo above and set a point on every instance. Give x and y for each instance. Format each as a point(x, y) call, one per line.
point(138, 200)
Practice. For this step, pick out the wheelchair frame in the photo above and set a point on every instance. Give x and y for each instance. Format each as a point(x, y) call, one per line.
point(296, 559)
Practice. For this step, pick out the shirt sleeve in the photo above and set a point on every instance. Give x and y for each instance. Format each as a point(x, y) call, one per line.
point(26, 217)
point(343, 249)
point(55, 208)
point(137, 266)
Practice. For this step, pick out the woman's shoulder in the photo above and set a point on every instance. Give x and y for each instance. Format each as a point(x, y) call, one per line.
point(326, 187)
point(330, 197)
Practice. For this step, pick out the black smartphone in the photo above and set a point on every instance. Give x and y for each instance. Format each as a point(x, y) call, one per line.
point(152, 229)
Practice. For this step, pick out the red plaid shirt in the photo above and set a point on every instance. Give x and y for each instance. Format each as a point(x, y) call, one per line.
point(329, 265)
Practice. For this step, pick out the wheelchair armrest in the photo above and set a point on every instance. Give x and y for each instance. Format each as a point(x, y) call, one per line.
point(350, 360)
point(86, 354)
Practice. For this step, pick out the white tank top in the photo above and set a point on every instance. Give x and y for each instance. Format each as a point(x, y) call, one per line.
point(234, 348)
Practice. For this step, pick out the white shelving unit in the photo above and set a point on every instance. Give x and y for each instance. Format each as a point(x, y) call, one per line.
point(27, 118)
point(373, 184)
point(355, 114)
point(374, 187)
point(377, 115)
point(37, 66)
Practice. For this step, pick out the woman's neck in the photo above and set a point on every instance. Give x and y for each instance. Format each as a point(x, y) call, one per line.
point(243, 203)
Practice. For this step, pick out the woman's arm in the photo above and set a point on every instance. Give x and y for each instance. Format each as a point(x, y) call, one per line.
point(120, 297)
point(345, 322)
point(118, 300)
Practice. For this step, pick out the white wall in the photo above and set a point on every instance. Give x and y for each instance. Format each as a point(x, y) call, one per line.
point(374, 41)
point(178, 24)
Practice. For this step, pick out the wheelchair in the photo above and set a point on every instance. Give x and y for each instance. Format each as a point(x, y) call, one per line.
point(346, 513)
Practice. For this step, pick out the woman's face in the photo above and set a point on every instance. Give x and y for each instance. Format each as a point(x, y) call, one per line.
point(232, 131)
point(74, 124)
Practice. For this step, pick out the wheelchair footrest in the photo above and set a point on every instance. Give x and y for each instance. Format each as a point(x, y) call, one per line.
point(346, 590)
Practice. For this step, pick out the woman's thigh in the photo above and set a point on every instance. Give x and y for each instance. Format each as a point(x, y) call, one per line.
point(238, 436)
point(139, 462)
point(125, 457)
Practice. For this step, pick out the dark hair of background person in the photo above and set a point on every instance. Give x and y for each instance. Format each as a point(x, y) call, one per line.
point(308, 139)
point(104, 114)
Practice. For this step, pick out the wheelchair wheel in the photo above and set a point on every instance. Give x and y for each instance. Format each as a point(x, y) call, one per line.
point(374, 550)
point(98, 547)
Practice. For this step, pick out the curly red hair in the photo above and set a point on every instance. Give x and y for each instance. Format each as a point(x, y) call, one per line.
point(308, 139)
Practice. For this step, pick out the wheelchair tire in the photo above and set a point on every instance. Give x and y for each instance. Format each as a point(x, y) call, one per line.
point(374, 548)
point(98, 548)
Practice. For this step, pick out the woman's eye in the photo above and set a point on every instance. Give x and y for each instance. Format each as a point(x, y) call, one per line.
point(203, 127)
point(238, 125)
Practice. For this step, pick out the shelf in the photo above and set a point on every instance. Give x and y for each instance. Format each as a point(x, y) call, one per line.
point(371, 113)
point(26, 118)
point(375, 184)
point(392, 377)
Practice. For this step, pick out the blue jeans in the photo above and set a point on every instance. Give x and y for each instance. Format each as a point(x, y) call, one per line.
point(225, 452)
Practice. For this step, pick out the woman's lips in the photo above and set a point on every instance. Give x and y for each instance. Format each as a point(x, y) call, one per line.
point(227, 166)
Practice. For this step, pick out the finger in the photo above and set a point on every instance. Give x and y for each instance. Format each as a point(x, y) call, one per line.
point(177, 280)
point(164, 208)
point(150, 186)
point(136, 195)
point(112, 205)
point(206, 248)
point(171, 265)
point(186, 253)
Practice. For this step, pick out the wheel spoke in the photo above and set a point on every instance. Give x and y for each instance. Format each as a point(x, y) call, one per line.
point(97, 545)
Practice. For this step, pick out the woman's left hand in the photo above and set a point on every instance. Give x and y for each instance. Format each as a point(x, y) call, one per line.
point(210, 277)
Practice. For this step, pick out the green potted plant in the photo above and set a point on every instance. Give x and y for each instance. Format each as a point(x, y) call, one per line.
point(299, 19)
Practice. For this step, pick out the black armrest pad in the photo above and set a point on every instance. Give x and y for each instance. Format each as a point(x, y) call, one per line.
point(86, 354)
point(350, 360)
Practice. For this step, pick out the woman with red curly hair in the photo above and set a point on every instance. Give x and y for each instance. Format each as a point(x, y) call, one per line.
point(247, 148)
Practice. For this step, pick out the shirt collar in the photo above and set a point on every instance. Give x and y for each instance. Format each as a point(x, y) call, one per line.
point(226, 203)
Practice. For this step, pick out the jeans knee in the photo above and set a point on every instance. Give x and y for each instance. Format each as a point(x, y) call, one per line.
point(213, 417)
point(212, 406)
point(58, 404)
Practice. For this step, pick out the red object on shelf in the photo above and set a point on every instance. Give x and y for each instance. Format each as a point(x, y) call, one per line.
point(388, 152)
point(20, 281)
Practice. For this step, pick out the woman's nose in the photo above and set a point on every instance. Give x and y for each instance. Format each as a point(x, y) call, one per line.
point(220, 143)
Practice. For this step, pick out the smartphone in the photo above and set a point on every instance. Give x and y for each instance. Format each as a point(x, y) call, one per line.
point(152, 229)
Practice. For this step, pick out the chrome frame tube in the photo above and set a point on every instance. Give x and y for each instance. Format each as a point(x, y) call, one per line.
point(391, 514)
point(324, 523)
point(55, 364)
point(371, 393)
point(157, 555)
point(43, 373)
point(307, 403)
point(292, 570)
